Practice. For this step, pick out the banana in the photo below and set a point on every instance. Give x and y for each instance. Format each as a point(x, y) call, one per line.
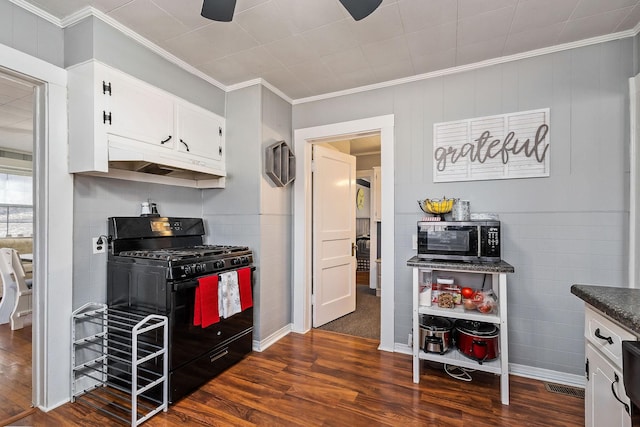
point(436, 206)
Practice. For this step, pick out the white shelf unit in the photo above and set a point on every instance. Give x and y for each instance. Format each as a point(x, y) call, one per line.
point(119, 362)
point(498, 366)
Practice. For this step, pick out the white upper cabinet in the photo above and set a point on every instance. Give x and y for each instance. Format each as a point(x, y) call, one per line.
point(124, 128)
point(137, 111)
point(199, 132)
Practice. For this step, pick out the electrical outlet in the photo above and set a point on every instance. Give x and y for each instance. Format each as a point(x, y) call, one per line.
point(414, 241)
point(98, 248)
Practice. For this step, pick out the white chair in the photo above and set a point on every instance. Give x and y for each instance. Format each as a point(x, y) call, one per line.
point(16, 297)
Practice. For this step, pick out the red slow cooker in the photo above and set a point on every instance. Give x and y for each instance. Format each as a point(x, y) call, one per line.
point(477, 340)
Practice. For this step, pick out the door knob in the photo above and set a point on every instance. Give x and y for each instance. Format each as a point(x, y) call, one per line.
point(354, 249)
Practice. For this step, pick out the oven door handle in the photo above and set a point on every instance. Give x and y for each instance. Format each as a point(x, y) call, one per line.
point(181, 286)
point(188, 284)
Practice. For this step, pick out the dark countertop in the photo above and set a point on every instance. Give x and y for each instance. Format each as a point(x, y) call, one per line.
point(620, 304)
point(483, 267)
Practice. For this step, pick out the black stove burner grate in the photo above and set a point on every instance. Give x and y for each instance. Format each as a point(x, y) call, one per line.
point(192, 252)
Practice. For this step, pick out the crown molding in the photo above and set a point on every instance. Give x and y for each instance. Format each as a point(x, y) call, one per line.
point(474, 66)
point(37, 11)
point(263, 82)
point(90, 11)
point(78, 16)
point(244, 84)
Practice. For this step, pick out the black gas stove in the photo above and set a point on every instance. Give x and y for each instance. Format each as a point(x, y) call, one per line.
point(155, 265)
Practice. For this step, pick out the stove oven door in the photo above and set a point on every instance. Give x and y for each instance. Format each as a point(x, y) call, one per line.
point(190, 342)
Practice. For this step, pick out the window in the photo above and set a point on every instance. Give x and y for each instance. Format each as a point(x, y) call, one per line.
point(16, 205)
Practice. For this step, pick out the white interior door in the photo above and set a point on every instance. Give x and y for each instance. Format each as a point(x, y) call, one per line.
point(334, 234)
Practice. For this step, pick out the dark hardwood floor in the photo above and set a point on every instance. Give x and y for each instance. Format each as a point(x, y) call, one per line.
point(328, 379)
point(15, 371)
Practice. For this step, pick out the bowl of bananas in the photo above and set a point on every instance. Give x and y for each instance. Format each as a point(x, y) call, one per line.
point(436, 206)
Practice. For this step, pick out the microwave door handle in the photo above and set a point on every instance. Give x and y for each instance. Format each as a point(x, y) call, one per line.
point(479, 248)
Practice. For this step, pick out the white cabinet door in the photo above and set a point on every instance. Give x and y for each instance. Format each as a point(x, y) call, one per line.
point(200, 132)
point(602, 408)
point(137, 111)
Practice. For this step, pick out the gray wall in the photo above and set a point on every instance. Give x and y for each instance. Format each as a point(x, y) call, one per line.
point(249, 211)
point(30, 34)
point(275, 221)
point(233, 212)
point(92, 38)
point(568, 228)
point(96, 199)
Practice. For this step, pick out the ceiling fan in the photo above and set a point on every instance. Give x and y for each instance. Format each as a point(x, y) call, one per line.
point(222, 10)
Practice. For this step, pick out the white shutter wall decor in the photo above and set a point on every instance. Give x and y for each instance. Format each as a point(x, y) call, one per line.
point(513, 145)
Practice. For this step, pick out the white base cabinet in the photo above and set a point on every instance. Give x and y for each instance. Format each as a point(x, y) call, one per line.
point(498, 273)
point(602, 407)
point(606, 401)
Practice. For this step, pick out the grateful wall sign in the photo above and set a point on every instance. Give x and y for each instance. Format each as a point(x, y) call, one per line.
point(514, 145)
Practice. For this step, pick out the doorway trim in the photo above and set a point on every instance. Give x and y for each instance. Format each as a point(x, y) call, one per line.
point(53, 205)
point(302, 214)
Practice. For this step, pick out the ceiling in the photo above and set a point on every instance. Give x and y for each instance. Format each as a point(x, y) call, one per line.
point(16, 118)
point(306, 48)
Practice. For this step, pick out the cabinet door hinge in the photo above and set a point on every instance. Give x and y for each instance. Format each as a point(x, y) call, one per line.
point(586, 369)
point(220, 130)
point(220, 151)
point(313, 165)
point(106, 117)
point(106, 88)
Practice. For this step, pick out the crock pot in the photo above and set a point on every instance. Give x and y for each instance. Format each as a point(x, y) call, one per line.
point(435, 334)
point(477, 340)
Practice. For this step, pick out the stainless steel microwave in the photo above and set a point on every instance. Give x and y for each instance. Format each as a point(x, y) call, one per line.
point(477, 241)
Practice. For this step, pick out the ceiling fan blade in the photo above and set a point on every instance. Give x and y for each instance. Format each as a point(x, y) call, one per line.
point(218, 10)
point(360, 9)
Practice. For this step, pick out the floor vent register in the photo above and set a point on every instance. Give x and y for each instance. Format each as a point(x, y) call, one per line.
point(564, 389)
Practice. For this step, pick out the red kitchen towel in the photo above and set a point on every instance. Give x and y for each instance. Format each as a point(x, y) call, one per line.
point(208, 287)
point(244, 283)
point(197, 310)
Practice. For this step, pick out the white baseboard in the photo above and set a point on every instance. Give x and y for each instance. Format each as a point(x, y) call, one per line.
point(402, 348)
point(547, 375)
point(271, 339)
point(523, 371)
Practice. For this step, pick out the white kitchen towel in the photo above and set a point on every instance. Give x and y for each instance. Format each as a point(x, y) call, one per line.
point(229, 294)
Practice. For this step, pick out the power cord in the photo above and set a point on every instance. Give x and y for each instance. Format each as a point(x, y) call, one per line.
point(102, 242)
point(462, 374)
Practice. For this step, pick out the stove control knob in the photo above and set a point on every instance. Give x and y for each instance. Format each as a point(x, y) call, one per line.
point(199, 268)
point(187, 269)
point(218, 264)
point(244, 260)
point(236, 261)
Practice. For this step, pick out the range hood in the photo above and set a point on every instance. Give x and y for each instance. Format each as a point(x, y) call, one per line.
point(138, 161)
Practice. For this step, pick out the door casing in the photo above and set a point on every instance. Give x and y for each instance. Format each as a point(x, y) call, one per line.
point(53, 239)
point(302, 231)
